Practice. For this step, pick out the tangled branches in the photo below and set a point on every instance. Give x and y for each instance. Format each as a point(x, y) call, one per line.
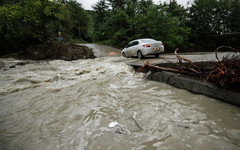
point(225, 73)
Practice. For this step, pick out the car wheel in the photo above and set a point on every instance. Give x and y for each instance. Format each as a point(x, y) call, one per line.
point(139, 55)
point(157, 55)
point(124, 55)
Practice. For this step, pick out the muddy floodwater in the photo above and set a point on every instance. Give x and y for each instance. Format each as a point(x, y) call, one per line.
point(100, 104)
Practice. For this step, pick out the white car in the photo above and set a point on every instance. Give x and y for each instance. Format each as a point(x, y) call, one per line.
point(143, 47)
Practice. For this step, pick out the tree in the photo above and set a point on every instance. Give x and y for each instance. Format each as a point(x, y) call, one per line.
point(139, 19)
point(203, 15)
point(211, 18)
point(10, 2)
point(117, 28)
point(117, 4)
point(160, 25)
point(10, 29)
point(77, 20)
point(27, 23)
point(101, 10)
point(144, 5)
point(234, 15)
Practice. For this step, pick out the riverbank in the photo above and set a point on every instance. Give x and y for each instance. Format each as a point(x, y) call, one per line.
point(194, 84)
point(197, 86)
point(54, 50)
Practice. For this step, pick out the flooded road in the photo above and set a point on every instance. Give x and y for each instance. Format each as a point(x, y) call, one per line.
point(103, 50)
point(100, 104)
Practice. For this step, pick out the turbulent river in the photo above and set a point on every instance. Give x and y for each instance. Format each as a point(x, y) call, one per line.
point(100, 104)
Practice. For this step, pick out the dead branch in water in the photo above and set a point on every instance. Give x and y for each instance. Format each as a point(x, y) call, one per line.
point(135, 121)
point(226, 73)
point(147, 66)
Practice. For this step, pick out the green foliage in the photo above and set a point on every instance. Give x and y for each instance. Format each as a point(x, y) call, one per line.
point(24, 23)
point(139, 19)
point(117, 4)
point(10, 29)
point(101, 10)
point(119, 27)
point(78, 21)
point(118, 22)
point(211, 20)
point(234, 15)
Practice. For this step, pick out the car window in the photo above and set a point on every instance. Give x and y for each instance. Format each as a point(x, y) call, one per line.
point(129, 44)
point(132, 44)
point(148, 40)
point(135, 43)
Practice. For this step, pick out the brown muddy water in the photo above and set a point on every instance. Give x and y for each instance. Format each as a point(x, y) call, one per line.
point(100, 104)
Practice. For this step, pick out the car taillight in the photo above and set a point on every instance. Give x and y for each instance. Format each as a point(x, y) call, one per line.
point(162, 44)
point(146, 45)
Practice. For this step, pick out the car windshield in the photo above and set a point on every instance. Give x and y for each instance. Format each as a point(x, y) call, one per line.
point(148, 40)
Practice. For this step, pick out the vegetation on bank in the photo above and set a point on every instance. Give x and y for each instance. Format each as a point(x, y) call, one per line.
point(26, 25)
point(204, 25)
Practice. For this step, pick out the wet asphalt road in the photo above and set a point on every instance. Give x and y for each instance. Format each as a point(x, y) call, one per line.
point(107, 51)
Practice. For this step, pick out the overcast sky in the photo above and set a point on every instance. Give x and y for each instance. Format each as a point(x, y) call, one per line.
point(87, 4)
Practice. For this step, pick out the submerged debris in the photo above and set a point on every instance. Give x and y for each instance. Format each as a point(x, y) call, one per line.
point(225, 73)
point(116, 128)
point(135, 121)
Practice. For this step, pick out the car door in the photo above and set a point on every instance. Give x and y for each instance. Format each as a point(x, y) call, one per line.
point(128, 49)
point(135, 48)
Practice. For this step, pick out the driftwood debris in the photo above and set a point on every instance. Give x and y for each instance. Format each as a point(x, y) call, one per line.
point(225, 73)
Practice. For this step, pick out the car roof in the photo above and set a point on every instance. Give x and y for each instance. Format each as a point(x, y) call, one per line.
point(142, 39)
point(146, 39)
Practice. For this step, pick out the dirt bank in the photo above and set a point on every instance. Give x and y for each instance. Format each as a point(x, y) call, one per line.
point(54, 50)
point(60, 50)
